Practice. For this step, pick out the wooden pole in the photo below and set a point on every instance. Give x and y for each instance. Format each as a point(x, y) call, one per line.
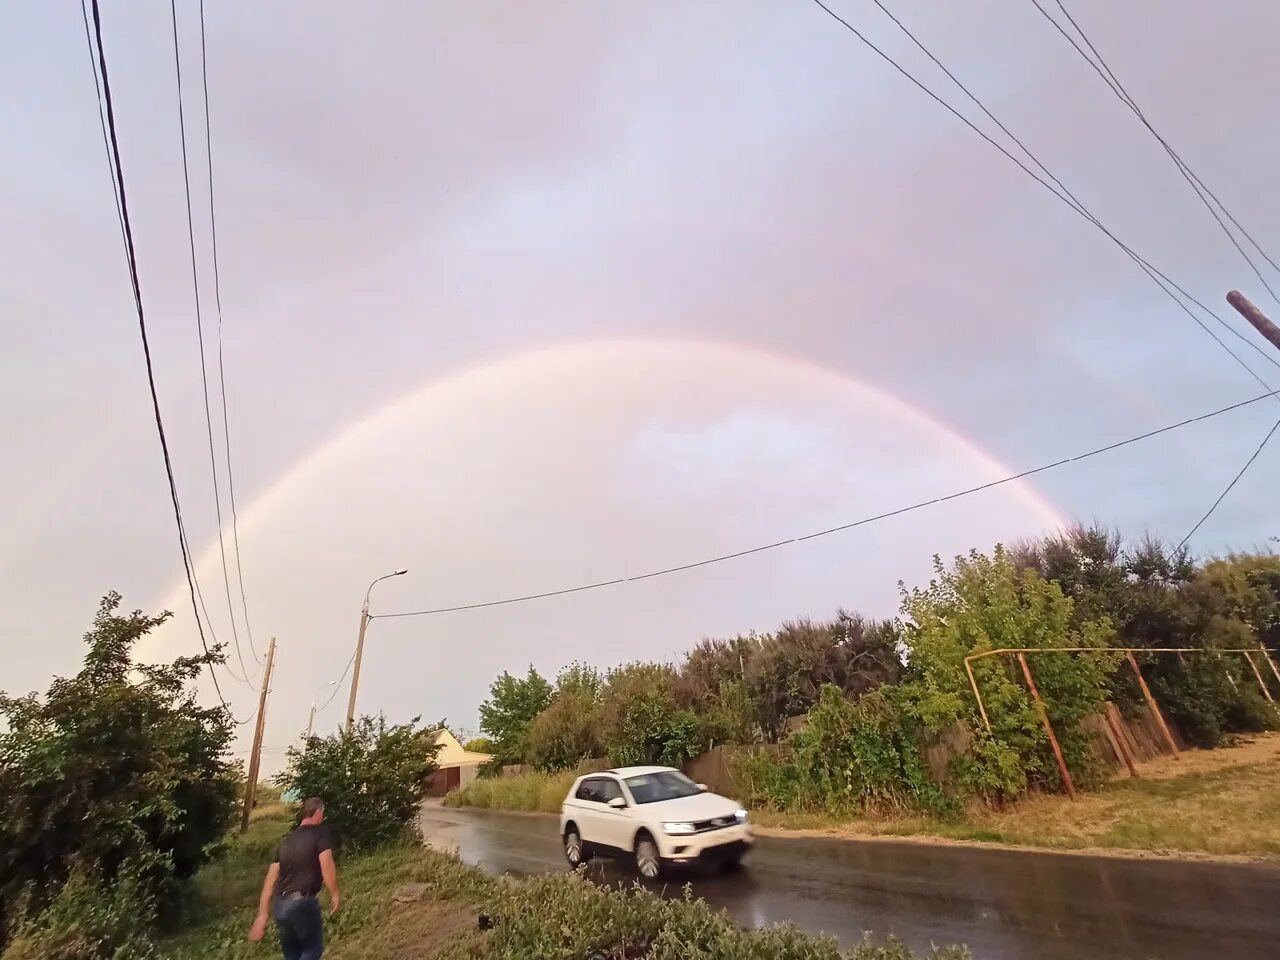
point(255, 754)
point(1117, 739)
point(1153, 706)
point(973, 682)
point(1258, 673)
point(1255, 316)
point(1271, 663)
point(1048, 728)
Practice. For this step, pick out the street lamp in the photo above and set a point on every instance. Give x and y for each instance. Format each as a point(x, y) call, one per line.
point(364, 623)
point(312, 718)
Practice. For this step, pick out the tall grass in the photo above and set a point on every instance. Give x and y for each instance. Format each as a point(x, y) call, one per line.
point(533, 792)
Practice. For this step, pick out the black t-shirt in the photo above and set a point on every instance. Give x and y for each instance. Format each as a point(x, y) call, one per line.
point(299, 859)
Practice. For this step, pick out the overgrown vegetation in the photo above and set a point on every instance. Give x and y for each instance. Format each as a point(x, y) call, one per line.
point(372, 779)
point(838, 712)
point(553, 917)
point(115, 788)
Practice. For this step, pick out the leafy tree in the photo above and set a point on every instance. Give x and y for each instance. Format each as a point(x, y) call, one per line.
point(371, 779)
point(642, 722)
point(511, 707)
point(790, 667)
point(985, 603)
point(116, 771)
point(479, 745)
point(567, 731)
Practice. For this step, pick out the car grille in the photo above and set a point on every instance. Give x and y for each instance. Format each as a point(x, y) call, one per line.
point(715, 823)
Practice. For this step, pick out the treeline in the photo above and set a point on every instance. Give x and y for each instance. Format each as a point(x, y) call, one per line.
point(840, 708)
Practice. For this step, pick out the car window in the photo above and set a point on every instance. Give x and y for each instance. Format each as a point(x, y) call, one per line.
point(665, 785)
point(609, 790)
point(598, 790)
point(587, 791)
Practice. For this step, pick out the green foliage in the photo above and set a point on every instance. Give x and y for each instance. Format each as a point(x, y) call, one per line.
point(986, 603)
point(479, 745)
point(371, 779)
point(535, 791)
point(116, 771)
point(91, 919)
point(510, 709)
point(641, 721)
point(565, 733)
point(851, 758)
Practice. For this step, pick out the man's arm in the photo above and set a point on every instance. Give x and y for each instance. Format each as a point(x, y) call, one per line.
point(259, 928)
point(329, 870)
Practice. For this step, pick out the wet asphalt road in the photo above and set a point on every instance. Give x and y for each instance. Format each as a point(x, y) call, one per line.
point(1005, 905)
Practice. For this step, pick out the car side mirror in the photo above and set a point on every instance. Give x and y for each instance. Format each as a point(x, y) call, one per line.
point(702, 787)
point(617, 803)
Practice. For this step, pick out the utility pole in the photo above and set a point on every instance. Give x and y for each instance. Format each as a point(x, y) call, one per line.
point(364, 625)
point(310, 721)
point(355, 669)
point(255, 754)
point(1255, 317)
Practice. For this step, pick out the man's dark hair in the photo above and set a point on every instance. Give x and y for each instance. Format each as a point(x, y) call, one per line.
point(311, 806)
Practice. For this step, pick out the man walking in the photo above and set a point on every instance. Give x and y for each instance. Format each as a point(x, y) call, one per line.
point(303, 861)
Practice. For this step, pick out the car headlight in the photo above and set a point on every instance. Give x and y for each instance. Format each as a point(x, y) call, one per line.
point(679, 828)
point(740, 816)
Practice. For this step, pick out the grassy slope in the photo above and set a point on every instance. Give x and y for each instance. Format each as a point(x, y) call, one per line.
point(1223, 802)
point(554, 917)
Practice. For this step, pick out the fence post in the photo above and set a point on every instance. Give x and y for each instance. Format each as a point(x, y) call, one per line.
point(1048, 727)
point(1153, 706)
point(1258, 673)
point(973, 682)
point(1117, 737)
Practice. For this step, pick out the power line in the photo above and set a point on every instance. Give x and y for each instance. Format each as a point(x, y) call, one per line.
point(846, 526)
point(1201, 191)
point(1061, 192)
point(1118, 88)
point(222, 380)
point(1236, 479)
point(132, 261)
point(204, 375)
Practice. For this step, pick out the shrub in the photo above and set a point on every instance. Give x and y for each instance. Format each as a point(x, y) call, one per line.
point(90, 919)
point(641, 721)
point(116, 765)
point(565, 733)
point(850, 758)
point(986, 603)
point(513, 703)
point(371, 779)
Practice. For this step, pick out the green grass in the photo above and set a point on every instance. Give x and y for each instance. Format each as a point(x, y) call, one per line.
point(553, 917)
point(531, 792)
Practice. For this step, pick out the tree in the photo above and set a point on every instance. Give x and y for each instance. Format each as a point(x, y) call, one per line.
point(116, 771)
point(479, 745)
point(642, 722)
point(985, 603)
point(567, 731)
point(371, 779)
point(511, 707)
point(790, 667)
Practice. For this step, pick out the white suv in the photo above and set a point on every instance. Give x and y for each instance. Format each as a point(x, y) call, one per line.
point(654, 815)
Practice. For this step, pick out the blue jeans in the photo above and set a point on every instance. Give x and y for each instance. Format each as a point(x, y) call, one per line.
point(301, 927)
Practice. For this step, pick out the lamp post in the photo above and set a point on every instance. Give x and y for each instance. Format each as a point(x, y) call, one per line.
point(312, 718)
point(364, 624)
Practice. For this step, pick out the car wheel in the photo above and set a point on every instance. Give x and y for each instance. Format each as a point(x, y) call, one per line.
point(648, 860)
point(574, 850)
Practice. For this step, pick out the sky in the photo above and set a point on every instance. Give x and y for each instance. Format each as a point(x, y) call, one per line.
point(524, 297)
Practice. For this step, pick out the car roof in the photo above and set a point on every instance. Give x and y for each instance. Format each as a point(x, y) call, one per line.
point(625, 772)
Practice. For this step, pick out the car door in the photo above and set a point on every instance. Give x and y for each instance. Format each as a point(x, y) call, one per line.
point(616, 825)
point(588, 807)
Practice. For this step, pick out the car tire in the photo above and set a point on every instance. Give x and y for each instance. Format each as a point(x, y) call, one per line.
point(648, 859)
point(575, 851)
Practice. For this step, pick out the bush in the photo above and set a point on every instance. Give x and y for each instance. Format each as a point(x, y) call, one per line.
point(642, 722)
point(371, 779)
point(851, 758)
point(117, 765)
point(505, 717)
point(565, 733)
point(89, 919)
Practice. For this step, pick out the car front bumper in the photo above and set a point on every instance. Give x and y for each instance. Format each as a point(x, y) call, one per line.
point(728, 843)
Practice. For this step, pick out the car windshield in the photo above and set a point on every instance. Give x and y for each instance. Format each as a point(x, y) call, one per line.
point(656, 787)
